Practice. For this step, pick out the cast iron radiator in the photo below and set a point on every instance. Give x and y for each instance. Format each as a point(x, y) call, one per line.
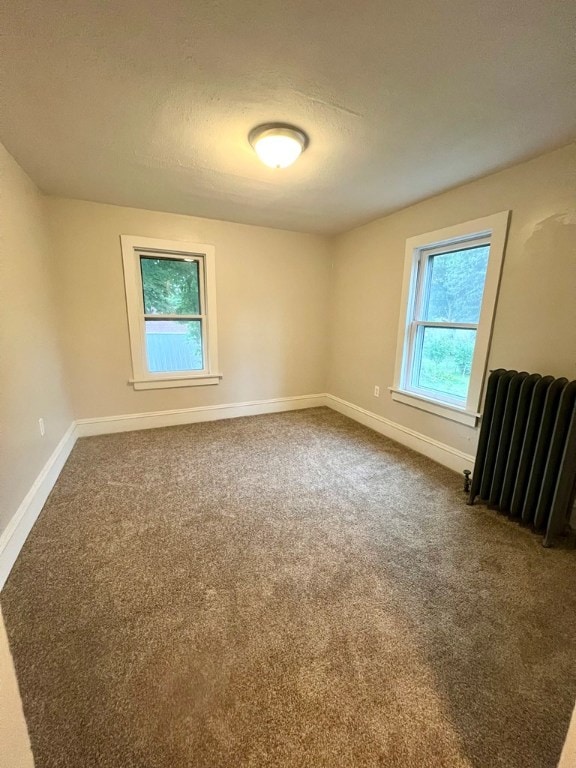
point(526, 460)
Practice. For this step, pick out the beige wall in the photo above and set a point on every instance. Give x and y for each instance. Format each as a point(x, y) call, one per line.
point(535, 328)
point(272, 292)
point(31, 382)
point(14, 742)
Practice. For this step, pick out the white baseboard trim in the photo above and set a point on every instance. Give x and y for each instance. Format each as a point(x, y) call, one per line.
point(16, 532)
point(134, 421)
point(439, 452)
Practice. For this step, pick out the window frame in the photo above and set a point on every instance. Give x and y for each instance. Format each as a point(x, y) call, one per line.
point(490, 230)
point(133, 248)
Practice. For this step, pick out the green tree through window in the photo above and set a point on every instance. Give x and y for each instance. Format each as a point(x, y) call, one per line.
point(456, 285)
point(171, 286)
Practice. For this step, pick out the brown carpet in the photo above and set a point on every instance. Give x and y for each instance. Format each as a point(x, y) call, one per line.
point(289, 590)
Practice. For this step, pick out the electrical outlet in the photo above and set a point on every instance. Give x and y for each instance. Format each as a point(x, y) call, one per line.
point(42, 427)
point(376, 391)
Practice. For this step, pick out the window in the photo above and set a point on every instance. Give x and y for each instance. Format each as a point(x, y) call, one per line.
point(451, 282)
point(171, 302)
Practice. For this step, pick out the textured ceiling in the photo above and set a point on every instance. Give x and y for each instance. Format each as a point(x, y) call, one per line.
point(148, 103)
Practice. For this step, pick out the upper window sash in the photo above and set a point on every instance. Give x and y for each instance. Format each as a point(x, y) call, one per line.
point(174, 256)
point(461, 244)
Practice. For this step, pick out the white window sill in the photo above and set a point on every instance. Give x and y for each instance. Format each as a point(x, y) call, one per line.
point(437, 407)
point(166, 382)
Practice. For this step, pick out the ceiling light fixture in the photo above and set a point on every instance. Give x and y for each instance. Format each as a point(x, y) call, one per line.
point(278, 145)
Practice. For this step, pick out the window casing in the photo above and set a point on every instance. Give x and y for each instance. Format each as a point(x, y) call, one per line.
point(171, 303)
point(451, 281)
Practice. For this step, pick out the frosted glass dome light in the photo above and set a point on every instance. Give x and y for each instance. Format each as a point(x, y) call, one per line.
point(278, 145)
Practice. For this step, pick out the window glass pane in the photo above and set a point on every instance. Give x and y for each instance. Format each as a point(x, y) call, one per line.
point(170, 286)
point(443, 360)
point(455, 284)
point(174, 345)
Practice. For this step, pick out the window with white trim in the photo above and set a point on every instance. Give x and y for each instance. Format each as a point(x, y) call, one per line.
point(171, 303)
point(450, 288)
